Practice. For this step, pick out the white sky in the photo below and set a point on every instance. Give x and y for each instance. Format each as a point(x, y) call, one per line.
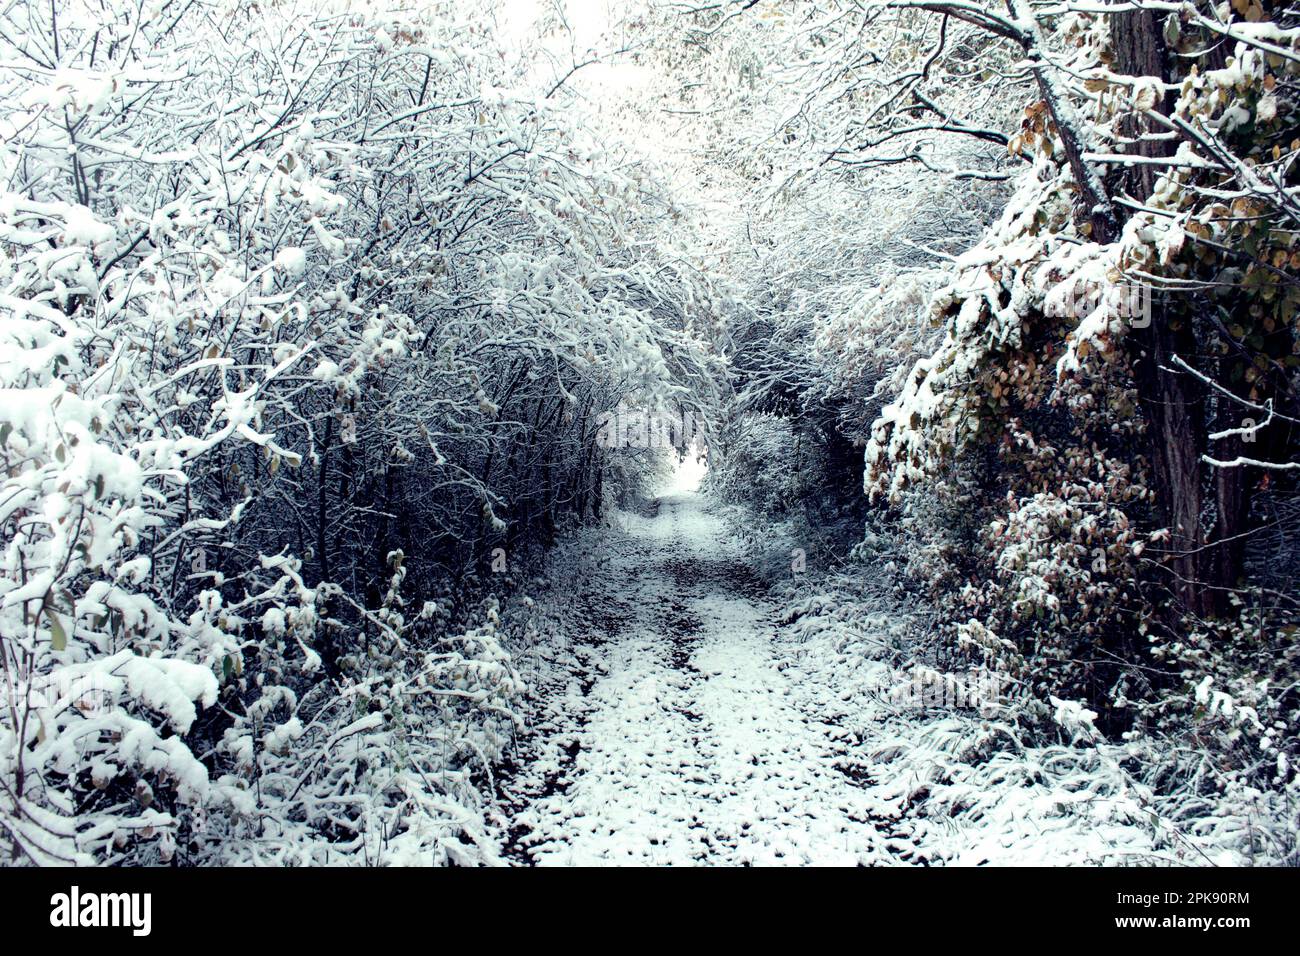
point(687, 475)
point(625, 103)
point(608, 86)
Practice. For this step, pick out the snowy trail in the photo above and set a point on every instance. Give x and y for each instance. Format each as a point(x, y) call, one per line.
point(671, 734)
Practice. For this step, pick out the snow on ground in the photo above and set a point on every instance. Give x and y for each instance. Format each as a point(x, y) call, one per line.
point(670, 732)
point(680, 713)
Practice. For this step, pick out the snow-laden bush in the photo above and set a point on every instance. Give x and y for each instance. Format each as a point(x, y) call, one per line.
point(286, 290)
point(391, 764)
point(964, 763)
point(760, 464)
point(101, 677)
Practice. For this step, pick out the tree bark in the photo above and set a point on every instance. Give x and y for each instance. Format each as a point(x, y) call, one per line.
point(1174, 401)
point(322, 502)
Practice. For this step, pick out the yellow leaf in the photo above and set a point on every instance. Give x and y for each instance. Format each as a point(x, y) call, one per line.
point(58, 636)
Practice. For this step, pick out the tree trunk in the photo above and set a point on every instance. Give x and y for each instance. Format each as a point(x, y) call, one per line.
point(1173, 405)
point(322, 502)
point(1174, 401)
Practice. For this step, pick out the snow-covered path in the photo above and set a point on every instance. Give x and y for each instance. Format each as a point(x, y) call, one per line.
point(669, 732)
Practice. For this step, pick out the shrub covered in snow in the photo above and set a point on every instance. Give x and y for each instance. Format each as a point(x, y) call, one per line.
point(306, 319)
point(1086, 451)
